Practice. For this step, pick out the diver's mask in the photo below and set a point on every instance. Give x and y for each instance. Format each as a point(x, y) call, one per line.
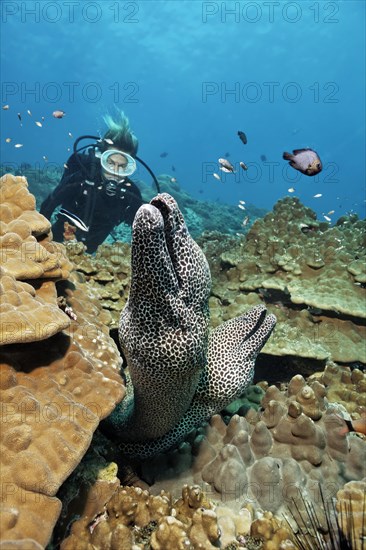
point(116, 164)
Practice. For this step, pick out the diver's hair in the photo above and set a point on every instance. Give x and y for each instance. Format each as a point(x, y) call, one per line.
point(120, 133)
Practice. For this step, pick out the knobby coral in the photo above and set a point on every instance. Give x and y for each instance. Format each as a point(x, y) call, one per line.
point(180, 375)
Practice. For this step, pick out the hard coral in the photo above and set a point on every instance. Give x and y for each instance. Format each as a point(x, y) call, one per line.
point(312, 281)
point(142, 520)
point(59, 375)
point(282, 452)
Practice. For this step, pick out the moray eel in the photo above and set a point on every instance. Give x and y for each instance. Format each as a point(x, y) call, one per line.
point(179, 375)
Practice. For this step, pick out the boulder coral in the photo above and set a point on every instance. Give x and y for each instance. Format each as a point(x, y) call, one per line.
point(59, 370)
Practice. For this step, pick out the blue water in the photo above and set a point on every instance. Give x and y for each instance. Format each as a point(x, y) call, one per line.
point(189, 75)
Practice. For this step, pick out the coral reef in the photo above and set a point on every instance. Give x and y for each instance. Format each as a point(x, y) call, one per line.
point(106, 275)
point(134, 519)
point(179, 376)
point(282, 453)
point(351, 508)
point(243, 472)
point(59, 370)
point(310, 275)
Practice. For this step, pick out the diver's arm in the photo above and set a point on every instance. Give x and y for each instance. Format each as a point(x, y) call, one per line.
point(132, 203)
point(58, 196)
point(69, 187)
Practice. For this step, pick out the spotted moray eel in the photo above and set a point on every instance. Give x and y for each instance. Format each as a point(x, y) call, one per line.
point(179, 374)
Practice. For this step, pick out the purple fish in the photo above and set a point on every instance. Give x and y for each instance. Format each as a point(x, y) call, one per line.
point(305, 161)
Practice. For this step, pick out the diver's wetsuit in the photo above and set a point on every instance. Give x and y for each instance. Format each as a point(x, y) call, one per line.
point(87, 198)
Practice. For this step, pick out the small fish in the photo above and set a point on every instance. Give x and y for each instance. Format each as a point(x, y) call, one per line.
point(327, 218)
point(242, 202)
point(70, 134)
point(317, 196)
point(163, 155)
point(291, 190)
point(42, 118)
point(173, 168)
point(226, 166)
point(18, 145)
point(358, 426)
point(245, 221)
point(241, 206)
point(173, 180)
point(74, 218)
point(305, 161)
point(45, 158)
point(243, 166)
point(6, 107)
point(29, 113)
point(227, 155)
point(39, 124)
point(216, 176)
point(20, 117)
point(242, 137)
point(109, 141)
point(263, 158)
point(65, 166)
point(58, 114)
point(8, 140)
point(331, 212)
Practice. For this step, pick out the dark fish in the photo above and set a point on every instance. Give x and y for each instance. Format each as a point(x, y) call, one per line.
point(263, 158)
point(173, 168)
point(305, 161)
point(163, 155)
point(227, 155)
point(74, 218)
point(242, 137)
point(20, 117)
point(243, 166)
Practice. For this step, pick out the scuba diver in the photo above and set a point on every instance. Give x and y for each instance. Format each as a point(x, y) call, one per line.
point(95, 191)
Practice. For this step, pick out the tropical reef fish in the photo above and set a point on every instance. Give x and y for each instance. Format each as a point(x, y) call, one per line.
point(20, 117)
point(243, 166)
point(216, 176)
point(39, 124)
point(58, 114)
point(242, 137)
point(317, 196)
point(305, 161)
point(226, 166)
point(163, 155)
point(18, 145)
point(29, 113)
point(263, 158)
point(6, 107)
point(75, 219)
point(358, 426)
